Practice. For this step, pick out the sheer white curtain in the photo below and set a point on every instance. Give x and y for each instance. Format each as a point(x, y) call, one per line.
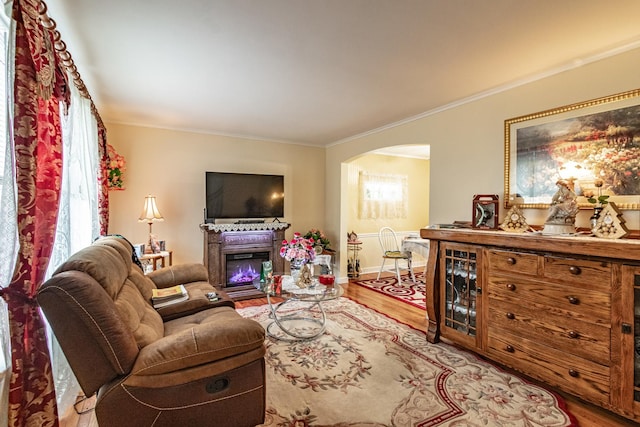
point(78, 222)
point(383, 196)
point(8, 215)
point(8, 250)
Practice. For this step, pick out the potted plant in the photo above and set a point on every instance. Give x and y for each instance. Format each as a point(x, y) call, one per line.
point(319, 240)
point(598, 201)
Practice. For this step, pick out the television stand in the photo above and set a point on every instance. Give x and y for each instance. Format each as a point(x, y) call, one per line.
point(223, 239)
point(250, 221)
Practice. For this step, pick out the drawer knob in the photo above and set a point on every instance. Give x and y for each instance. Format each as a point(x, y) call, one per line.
point(511, 316)
point(574, 373)
point(574, 334)
point(574, 300)
point(575, 270)
point(511, 261)
point(511, 287)
point(509, 348)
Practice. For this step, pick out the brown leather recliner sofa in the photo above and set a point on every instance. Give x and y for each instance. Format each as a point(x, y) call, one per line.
point(195, 363)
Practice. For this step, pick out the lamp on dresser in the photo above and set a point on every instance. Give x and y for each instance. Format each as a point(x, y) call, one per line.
point(149, 214)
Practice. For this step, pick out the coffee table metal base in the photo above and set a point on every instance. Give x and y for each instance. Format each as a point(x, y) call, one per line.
point(291, 324)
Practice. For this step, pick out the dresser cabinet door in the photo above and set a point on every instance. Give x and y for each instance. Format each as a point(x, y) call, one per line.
point(630, 340)
point(461, 293)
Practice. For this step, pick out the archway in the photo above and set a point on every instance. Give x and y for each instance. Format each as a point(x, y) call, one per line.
point(410, 162)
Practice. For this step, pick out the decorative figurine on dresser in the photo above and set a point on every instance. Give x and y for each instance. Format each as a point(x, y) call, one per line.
point(563, 210)
point(610, 224)
point(514, 221)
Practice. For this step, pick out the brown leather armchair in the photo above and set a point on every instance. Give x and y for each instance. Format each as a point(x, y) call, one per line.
point(197, 363)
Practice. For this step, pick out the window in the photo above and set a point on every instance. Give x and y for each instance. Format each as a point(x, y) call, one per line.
point(383, 190)
point(383, 196)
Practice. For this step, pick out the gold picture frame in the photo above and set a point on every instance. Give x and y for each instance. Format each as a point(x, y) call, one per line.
point(585, 135)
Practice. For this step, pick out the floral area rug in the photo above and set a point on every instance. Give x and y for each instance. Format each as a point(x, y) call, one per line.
point(408, 292)
point(369, 370)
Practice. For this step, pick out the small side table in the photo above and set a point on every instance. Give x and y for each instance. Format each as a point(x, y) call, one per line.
point(152, 259)
point(353, 262)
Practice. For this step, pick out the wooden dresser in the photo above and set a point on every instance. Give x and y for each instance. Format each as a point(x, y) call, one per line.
point(563, 310)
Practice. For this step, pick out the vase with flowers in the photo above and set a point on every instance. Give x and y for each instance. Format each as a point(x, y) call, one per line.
point(299, 252)
point(115, 170)
point(598, 201)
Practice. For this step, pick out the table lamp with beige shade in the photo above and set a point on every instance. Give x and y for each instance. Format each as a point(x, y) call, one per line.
point(150, 213)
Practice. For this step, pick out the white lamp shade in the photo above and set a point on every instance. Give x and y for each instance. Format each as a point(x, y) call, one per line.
point(150, 211)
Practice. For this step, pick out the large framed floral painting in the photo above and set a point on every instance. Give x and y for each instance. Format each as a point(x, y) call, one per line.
point(589, 143)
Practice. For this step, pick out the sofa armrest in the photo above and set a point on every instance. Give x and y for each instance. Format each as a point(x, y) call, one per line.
point(221, 333)
point(197, 301)
point(179, 275)
point(195, 278)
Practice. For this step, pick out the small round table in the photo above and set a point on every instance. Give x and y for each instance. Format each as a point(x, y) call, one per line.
point(302, 322)
point(353, 261)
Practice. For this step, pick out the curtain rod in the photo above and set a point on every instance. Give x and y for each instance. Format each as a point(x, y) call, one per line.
point(67, 60)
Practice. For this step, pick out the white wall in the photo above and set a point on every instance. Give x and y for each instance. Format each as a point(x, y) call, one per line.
point(467, 141)
point(171, 165)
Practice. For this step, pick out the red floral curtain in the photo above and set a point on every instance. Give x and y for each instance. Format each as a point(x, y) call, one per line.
point(103, 177)
point(40, 85)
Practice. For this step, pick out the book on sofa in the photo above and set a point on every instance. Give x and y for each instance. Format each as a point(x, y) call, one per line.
point(168, 296)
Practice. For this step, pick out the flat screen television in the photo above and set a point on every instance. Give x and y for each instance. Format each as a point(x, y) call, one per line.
point(243, 196)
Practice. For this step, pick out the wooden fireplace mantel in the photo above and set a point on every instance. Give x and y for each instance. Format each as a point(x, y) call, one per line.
point(259, 226)
point(223, 239)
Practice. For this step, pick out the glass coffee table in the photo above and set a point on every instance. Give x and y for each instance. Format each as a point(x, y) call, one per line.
point(300, 316)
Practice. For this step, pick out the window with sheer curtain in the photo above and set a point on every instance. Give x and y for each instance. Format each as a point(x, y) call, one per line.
point(78, 221)
point(8, 230)
point(383, 196)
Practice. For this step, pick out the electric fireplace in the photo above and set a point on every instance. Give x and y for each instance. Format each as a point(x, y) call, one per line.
point(244, 268)
point(237, 251)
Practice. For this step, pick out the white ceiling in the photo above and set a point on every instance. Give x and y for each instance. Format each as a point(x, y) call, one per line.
point(412, 151)
point(321, 71)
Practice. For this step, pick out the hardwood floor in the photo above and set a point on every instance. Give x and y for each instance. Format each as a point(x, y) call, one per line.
point(587, 415)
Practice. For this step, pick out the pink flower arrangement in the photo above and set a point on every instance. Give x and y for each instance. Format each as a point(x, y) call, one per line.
point(115, 169)
point(298, 248)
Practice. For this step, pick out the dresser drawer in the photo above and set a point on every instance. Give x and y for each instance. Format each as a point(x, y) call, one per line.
point(576, 375)
point(540, 323)
point(512, 262)
point(568, 300)
point(583, 273)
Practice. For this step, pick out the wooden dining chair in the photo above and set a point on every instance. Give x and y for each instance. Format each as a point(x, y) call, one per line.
point(391, 251)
